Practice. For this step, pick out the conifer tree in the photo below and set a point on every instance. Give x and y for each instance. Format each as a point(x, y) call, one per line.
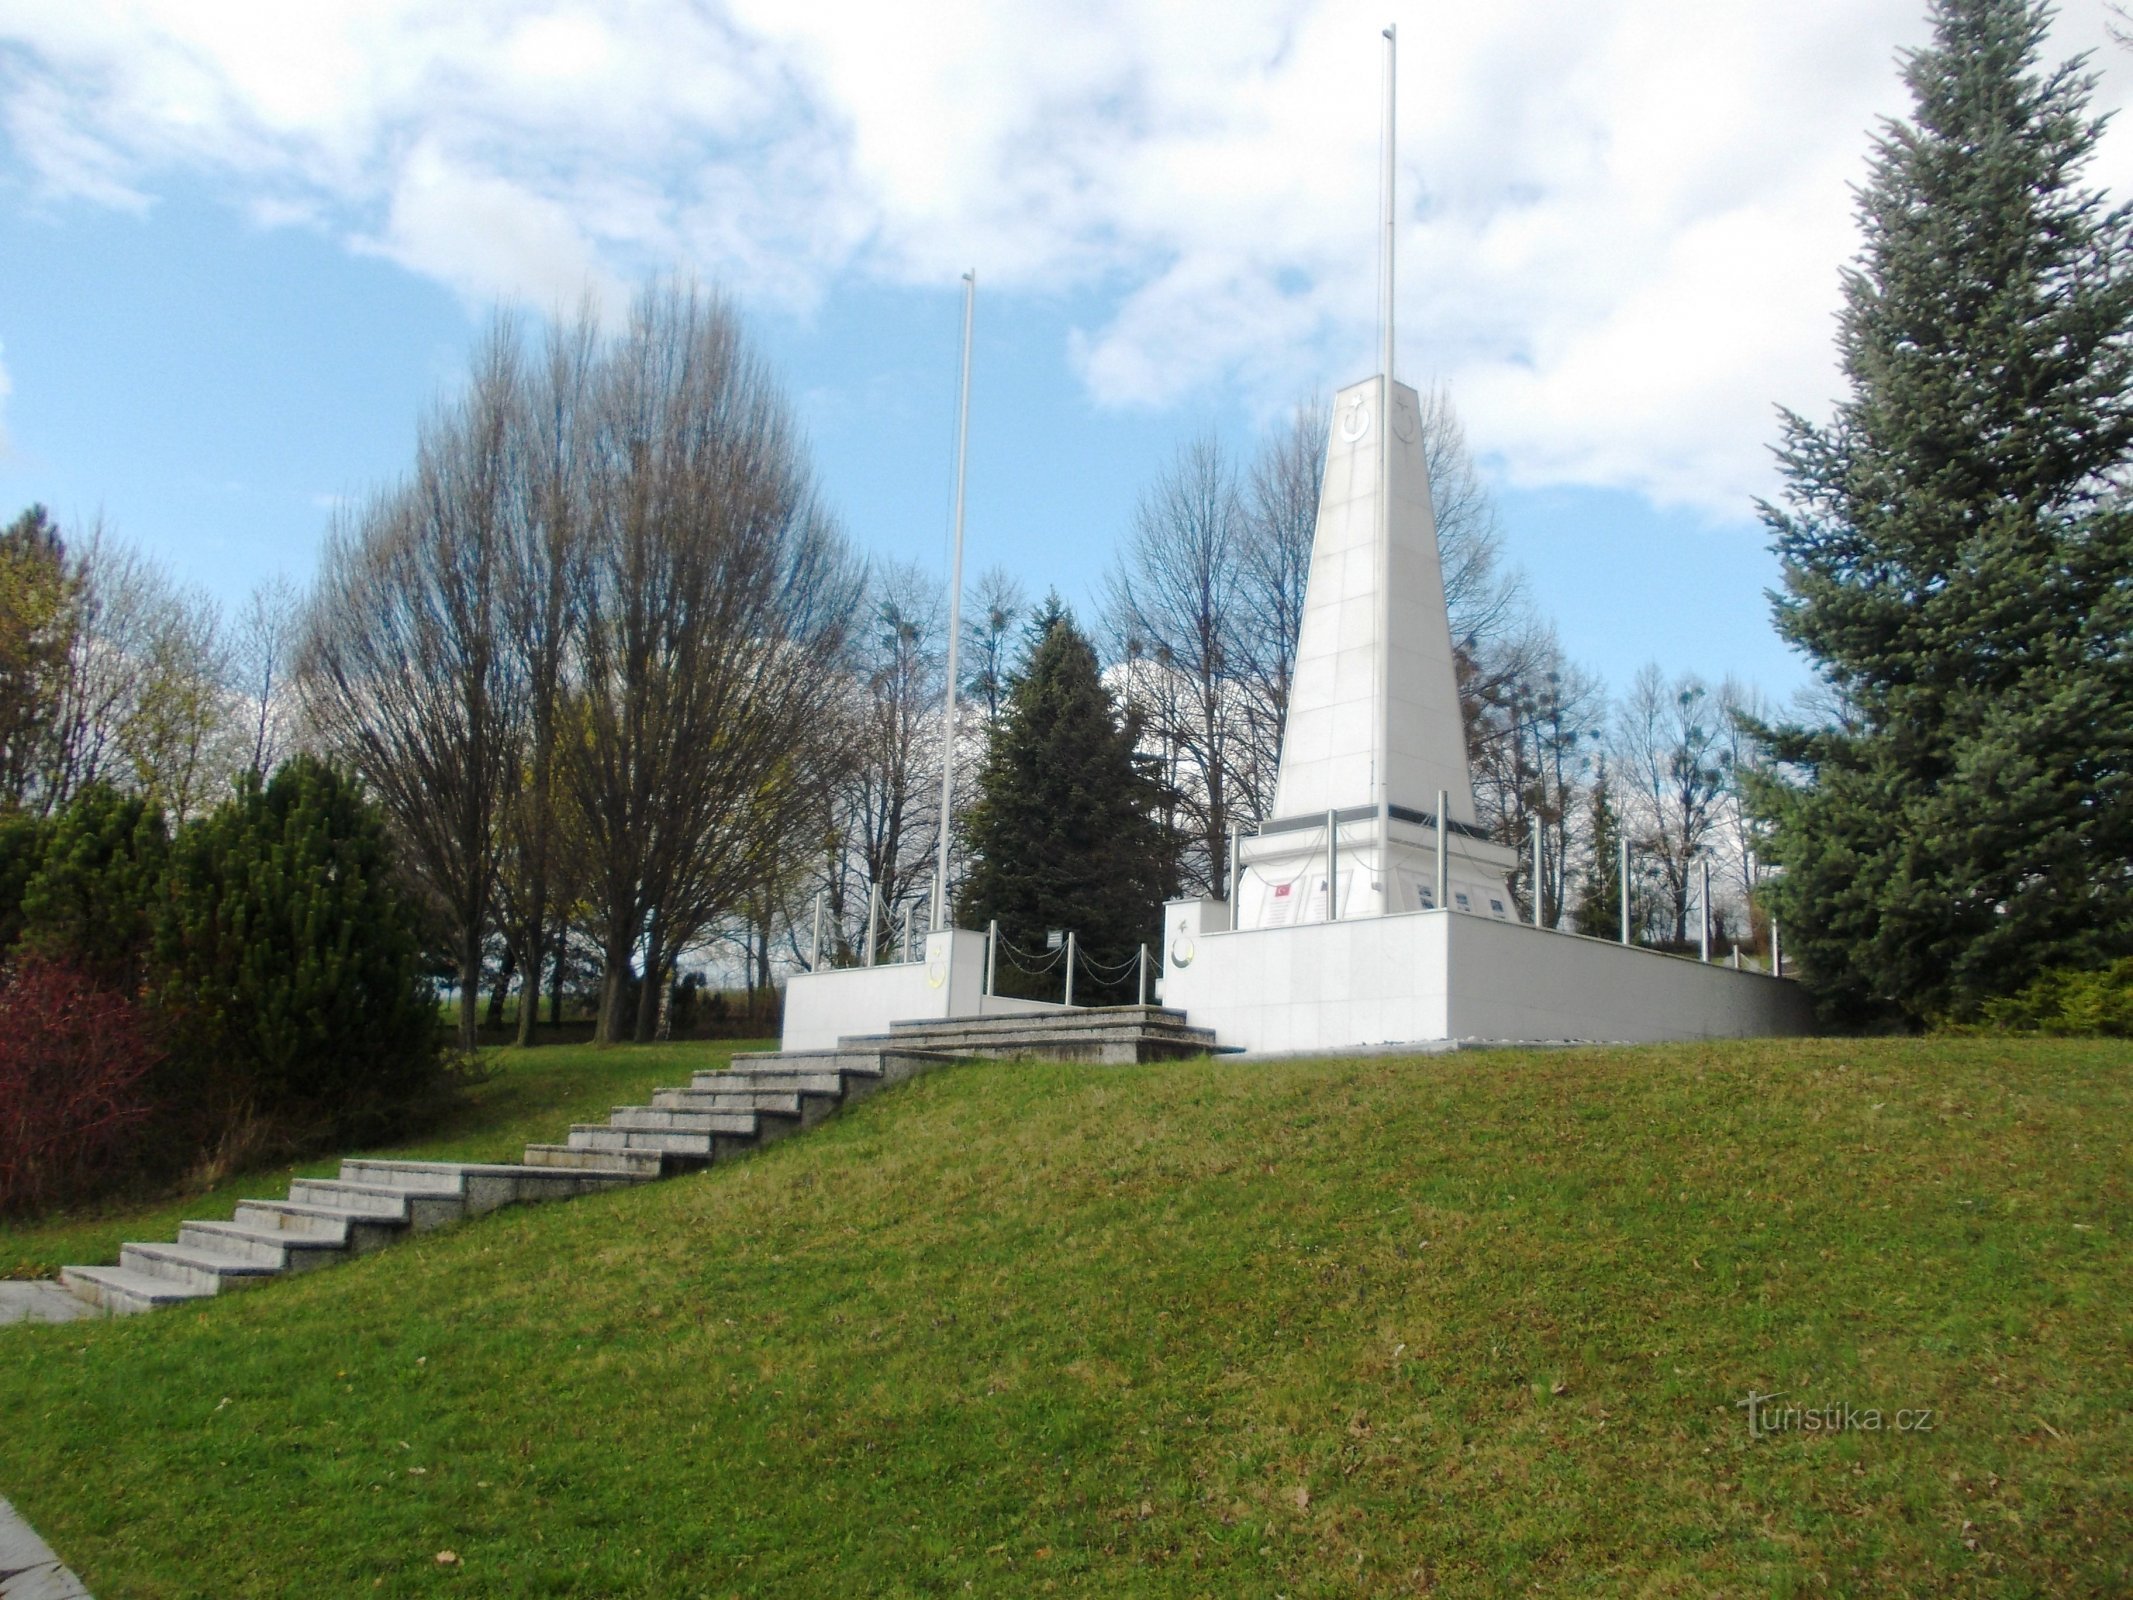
point(1599, 913)
point(90, 900)
point(288, 961)
point(1064, 834)
point(1957, 547)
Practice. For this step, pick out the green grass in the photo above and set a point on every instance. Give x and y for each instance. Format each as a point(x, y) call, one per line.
point(530, 1096)
point(1466, 1325)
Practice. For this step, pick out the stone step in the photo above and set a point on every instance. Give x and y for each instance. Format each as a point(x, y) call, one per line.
point(784, 1061)
point(1148, 1017)
point(122, 1291)
point(276, 1248)
point(812, 1106)
point(419, 1209)
point(770, 1076)
point(707, 1118)
point(484, 1186)
point(631, 1166)
point(357, 1231)
point(1110, 1035)
point(830, 1085)
point(678, 1141)
point(211, 1270)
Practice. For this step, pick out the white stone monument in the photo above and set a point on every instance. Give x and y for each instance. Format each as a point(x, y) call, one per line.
point(1369, 909)
point(1375, 742)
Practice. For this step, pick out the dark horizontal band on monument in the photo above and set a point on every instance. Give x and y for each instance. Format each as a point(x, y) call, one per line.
point(1421, 819)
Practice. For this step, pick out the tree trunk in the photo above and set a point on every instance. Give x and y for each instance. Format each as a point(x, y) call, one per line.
point(555, 983)
point(504, 975)
point(529, 992)
point(613, 980)
point(469, 988)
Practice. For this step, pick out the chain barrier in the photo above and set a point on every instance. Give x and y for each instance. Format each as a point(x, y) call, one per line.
point(1048, 962)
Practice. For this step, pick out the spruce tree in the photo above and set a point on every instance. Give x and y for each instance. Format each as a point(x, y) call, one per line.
point(1599, 913)
point(1957, 549)
point(1065, 832)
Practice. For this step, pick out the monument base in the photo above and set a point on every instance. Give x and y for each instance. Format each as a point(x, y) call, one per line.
point(1283, 881)
point(1427, 977)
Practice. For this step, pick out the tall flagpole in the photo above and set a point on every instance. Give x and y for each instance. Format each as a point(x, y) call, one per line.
point(1387, 441)
point(955, 611)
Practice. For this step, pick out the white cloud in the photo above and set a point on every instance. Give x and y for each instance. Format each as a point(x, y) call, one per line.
point(1624, 227)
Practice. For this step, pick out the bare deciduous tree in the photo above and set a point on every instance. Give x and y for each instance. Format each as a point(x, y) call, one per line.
point(1669, 754)
point(996, 604)
point(262, 663)
point(405, 669)
point(1173, 615)
point(716, 600)
point(1281, 518)
point(889, 802)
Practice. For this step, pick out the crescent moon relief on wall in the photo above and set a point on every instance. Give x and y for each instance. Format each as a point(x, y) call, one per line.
point(1355, 421)
point(1403, 421)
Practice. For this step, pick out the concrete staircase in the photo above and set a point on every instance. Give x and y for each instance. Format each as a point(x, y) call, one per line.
point(719, 1115)
point(1100, 1035)
point(373, 1203)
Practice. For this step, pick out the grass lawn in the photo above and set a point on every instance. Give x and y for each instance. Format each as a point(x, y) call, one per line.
point(530, 1096)
point(1467, 1325)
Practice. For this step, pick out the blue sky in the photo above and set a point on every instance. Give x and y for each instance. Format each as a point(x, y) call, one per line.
point(241, 248)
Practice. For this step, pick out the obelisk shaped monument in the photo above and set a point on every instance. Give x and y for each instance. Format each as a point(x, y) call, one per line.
point(1374, 701)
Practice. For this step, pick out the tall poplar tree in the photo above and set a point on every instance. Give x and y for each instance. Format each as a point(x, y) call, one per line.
point(1957, 547)
point(1065, 833)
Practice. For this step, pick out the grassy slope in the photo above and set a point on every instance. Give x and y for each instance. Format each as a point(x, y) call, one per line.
point(531, 1095)
point(1465, 1324)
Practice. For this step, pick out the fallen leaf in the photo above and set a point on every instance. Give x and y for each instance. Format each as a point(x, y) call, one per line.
point(447, 1558)
point(1302, 1497)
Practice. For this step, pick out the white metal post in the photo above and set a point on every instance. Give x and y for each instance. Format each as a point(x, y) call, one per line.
point(814, 953)
point(1144, 974)
point(1625, 891)
point(1070, 967)
point(908, 908)
point(1703, 911)
point(873, 919)
point(1777, 951)
point(1236, 871)
point(1381, 798)
point(955, 611)
point(1540, 878)
point(1333, 866)
point(1444, 858)
point(992, 953)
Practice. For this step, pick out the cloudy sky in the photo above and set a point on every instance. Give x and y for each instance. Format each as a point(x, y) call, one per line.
point(242, 245)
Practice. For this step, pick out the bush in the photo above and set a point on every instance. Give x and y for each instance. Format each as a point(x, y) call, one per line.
point(287, 964)
point(73, 1063)
point(2070, 1001)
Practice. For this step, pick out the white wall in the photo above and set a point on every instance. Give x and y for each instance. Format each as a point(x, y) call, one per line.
point(1324, 986)
point(1515, 982)
point(1432, 976)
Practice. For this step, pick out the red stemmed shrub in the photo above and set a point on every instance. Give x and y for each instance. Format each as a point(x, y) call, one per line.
point(73, 1058)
